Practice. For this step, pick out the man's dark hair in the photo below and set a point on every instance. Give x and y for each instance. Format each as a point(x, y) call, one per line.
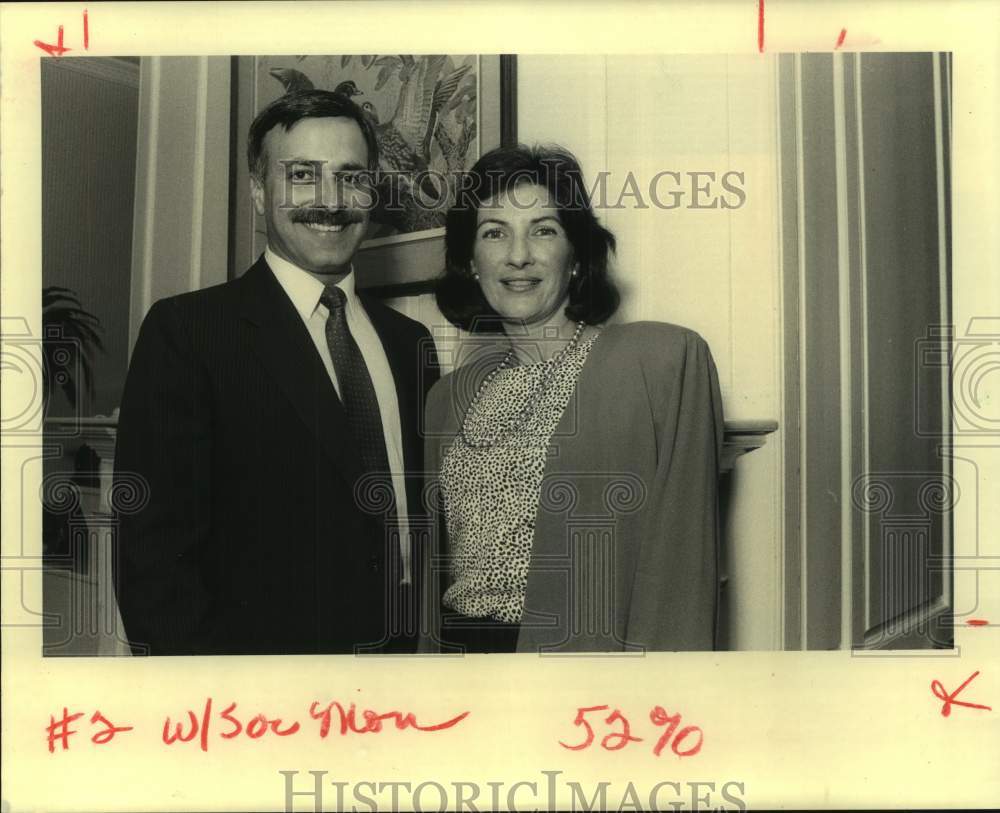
point(593, 297)
point(291, 108)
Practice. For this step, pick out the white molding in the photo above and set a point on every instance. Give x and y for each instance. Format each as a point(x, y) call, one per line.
point(803, 396)
point(781, 549)
point(947, 549)
point(844, 336)
point(144, 214)
point(107, 69)
point(180, 231)
point(863, 259)
point(198, 175)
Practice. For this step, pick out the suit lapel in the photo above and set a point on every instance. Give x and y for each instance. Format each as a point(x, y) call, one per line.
point(287, 352)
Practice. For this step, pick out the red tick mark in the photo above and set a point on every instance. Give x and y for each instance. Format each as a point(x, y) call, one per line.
point(760, 25)
point(949, 699)
point(977, 622)
point(54, 50)
point(840, 39)
point(86, 31)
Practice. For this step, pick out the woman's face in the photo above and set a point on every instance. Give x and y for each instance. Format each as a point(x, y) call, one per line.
point(522, 255)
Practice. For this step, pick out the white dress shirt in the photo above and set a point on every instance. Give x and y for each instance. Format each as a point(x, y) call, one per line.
point(305, 290)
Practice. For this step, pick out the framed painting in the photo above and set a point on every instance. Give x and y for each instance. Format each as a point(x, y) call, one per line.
point(433, 114)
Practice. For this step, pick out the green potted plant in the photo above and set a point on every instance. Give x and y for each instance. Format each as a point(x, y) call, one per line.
point(70, 336)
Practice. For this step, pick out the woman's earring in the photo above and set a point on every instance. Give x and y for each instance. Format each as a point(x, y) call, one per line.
point(475, 276)
point(574, 272)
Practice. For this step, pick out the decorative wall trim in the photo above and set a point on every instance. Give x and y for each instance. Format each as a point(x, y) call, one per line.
point(942, 154)
point(844, 317)
point(741, 437)
point(778, 551)
point(180, 239)
point(863, 261)
point(875, 280)
point(145, 215)
point(789, 170)
point(198, 175)
point(801, 334)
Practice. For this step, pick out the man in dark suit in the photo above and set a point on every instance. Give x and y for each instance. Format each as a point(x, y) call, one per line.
point(274, 420)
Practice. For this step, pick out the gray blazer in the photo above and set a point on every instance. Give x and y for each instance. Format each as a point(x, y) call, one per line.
point(625, 553)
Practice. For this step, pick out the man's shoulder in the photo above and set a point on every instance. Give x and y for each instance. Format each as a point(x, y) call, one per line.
point(201, 318)
point(377, 309)
point(221, 295)
point(374, 304)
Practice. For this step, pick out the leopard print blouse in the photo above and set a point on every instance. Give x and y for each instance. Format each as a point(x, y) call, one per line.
point(491, 492)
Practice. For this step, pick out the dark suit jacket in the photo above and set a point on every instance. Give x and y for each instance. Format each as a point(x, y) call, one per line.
point(251, 539)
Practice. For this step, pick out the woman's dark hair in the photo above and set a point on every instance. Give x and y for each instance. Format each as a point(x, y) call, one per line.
point(593, 297)
point(291, 108)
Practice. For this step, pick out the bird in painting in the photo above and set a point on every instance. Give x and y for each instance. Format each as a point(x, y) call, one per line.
point(405, 137)
point(294, 80)
point(291, 79)
point(454, 150)
point(348, 88)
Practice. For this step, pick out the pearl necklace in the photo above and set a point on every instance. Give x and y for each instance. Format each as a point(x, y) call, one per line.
point(531, 403)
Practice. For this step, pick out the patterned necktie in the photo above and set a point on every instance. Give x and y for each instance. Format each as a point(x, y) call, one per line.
point(357, 392)
point(364, 421)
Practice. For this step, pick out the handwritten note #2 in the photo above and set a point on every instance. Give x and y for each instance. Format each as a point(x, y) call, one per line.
point(207, 725)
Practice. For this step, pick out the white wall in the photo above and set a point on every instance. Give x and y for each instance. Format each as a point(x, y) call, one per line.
point(181, 222)
point(714, 270)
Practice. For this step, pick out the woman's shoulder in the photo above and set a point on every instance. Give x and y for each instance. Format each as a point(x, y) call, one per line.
point(652, 342)
point(439, 396)
point(652, 357)
point(451, 393)
point(650, 330)
point(474, 359)
point(441, 386)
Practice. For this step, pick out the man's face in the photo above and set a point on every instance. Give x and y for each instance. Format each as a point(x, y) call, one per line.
point(313, 196)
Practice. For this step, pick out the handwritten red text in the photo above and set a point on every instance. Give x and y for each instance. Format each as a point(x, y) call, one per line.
point(684, 741)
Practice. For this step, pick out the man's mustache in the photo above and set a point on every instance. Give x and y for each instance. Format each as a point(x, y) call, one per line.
point(326, 217)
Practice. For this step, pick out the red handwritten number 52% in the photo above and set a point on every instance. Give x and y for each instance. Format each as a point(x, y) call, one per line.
point(685, 742)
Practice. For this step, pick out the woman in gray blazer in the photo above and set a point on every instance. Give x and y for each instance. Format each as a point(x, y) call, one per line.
point(576, 461)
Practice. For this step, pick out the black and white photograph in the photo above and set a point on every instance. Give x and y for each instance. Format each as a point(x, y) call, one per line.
point(499, 406)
